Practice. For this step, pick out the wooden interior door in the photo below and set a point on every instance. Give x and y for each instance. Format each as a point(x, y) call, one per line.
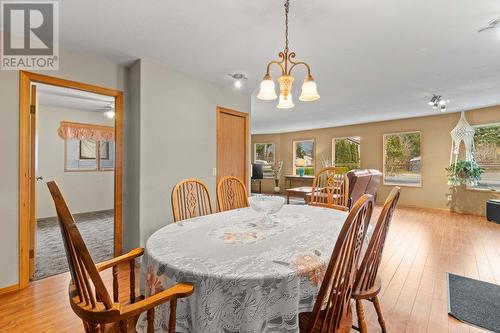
point(32, 180)
point(232, 144)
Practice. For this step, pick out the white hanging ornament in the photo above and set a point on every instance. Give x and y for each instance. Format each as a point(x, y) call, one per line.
point(462, 132)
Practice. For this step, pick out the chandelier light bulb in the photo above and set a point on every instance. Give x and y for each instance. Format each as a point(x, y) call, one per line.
point(267, 90)
point(237, 84)
point(285, 102)
point(309, 91)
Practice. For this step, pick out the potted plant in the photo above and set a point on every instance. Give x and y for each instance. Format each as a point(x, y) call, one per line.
point(464, 172)
point(277, 168)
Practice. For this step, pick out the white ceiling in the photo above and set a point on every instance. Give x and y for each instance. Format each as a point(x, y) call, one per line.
point(72, 98)
point(372, 60)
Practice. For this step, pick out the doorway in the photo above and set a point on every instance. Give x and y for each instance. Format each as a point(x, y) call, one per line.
point(71, 133)
point(232, 144)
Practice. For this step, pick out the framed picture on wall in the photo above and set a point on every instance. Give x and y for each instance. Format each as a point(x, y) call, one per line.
point(304, 159)
point(402, 159)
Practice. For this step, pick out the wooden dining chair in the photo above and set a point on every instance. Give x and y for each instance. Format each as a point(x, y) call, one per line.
point(190, 198)
point(231, 194)
point(368, 283)
point(332, 310)
point(88, 295)
point(330, 189)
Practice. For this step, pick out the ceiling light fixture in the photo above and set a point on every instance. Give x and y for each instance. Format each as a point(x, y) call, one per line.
point(238, 78)
point(109, 110)
point(287, 64)
point(110, 114)
point(491, 25)
point(437, 102)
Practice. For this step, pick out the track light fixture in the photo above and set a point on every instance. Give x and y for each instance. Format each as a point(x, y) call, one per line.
point(437, 102)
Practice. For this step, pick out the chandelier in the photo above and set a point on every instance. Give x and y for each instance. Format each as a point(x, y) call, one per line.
point(287, 64)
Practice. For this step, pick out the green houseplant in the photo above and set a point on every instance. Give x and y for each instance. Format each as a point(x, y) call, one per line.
point(464, 172)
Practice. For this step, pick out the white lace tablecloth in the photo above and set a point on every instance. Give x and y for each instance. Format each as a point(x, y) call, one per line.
point(247, 278)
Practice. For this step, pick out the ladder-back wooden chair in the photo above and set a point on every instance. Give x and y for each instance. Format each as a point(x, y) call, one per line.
point(332, 310)
point(231, 194)
point(331, 189)
point(368, 283)
point(190, 198)
point(88, 295)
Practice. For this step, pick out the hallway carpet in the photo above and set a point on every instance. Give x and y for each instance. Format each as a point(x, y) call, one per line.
point(97, 232)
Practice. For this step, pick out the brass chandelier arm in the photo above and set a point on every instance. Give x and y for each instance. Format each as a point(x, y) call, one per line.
point(294, 64)
point(291, 56)
point(283, 64)
point(279, 63)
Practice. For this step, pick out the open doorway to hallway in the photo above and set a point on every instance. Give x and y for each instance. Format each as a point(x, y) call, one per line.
point(75, 146)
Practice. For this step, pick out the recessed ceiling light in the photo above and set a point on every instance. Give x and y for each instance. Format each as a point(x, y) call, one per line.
point(238, 79)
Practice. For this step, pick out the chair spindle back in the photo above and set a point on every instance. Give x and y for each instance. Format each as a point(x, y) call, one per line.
point(333, 299)
point(86, 281)
point(331, 188)
point(190, 198)
point(231, 194)
point(368, 269)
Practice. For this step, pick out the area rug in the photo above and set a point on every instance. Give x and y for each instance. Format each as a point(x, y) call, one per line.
point(96, 229)
point(474, 302)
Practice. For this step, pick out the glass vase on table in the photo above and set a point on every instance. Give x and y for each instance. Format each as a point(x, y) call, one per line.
point(266, 205)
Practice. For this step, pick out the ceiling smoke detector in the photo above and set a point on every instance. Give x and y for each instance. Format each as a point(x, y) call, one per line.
point(491, 25)
point(238, 78)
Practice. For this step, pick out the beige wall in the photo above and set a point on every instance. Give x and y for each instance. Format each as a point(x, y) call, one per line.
point(94, 190)
point(73, 66)
point(436, 143)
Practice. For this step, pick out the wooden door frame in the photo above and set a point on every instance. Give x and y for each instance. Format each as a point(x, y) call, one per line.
point(244, 115)
point(25, 81)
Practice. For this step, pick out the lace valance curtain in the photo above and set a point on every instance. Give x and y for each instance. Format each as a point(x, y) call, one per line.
point(78, 131)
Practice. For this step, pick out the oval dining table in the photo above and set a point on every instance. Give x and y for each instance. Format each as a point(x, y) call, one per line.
point(248, 276)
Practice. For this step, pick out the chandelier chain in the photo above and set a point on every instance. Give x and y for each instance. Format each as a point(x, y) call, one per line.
point(287, 8)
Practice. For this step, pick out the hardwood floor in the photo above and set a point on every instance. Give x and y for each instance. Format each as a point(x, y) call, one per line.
point(422, 246)
point(44, 305)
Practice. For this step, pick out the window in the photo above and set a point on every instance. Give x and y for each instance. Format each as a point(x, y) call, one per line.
point(264, 153)
point(346, 153)
point(83, 155)
point(87, 150)
point(487, 155)
point(402, 160)
point(303, 157)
